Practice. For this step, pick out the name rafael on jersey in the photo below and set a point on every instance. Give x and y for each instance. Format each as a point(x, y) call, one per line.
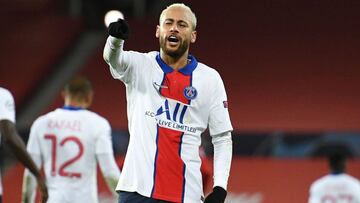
point(63, 124)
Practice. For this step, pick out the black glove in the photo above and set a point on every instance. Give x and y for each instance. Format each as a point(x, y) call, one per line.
point(119, 29)
point(218, 195)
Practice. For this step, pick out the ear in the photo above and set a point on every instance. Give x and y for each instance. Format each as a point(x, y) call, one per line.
point(65, 97)
point(157, 33)
point(63, 94)
point(193, 36)
point(89, 99)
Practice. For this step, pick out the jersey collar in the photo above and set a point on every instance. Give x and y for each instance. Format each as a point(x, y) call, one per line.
point(336, 173)
point(187, 70)
point(72, 108)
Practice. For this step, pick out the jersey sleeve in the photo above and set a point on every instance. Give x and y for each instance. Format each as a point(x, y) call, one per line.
point(33, 145)
point(109, 169)
point(7, 106)
point(222, 158)
point(219, 119)
point(123, 64)
point(357, 190)
point(103, 141)
point(314, 192)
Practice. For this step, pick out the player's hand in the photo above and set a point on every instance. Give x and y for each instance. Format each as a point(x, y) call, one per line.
point(43, 190)
point(218, 195)
point(119, 29)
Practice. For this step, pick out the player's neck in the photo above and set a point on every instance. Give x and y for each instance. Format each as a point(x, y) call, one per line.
point(337, 171)
point(175, 63)
point(76, 104)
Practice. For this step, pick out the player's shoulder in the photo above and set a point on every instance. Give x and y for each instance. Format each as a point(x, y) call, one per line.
point(352, 179)
point(206, 70)
point(95, 117)
point(318, 184)
point(152, 54)
point(144, 55)
point(5, 93)
point(208, 74)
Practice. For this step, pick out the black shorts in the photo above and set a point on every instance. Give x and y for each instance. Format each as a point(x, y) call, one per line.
point(133, 197)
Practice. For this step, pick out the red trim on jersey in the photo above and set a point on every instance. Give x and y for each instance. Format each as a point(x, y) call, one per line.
point(176, 83)
point(169, 177)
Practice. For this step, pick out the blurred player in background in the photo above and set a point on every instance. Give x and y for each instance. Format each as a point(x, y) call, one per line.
point(68, 142)
point(172, 98)
point(9, 133)
point(336, 187)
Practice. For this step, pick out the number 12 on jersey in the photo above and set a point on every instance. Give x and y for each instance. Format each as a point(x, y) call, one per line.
point(54, 151)
point(342, 198)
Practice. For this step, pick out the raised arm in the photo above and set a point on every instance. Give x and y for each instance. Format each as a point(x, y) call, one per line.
point(118, 31)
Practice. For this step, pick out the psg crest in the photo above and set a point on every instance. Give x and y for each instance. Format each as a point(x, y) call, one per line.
point(190, 92)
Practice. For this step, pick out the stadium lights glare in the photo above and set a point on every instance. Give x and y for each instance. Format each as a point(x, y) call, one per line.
point(112, 16)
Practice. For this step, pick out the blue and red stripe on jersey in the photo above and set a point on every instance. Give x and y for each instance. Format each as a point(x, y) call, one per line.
point(169, 169)
point(175, 82)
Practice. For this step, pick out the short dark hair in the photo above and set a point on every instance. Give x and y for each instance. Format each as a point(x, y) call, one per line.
point(336, 154)
point(79, 87)
point(325, 149)
point(337, 161)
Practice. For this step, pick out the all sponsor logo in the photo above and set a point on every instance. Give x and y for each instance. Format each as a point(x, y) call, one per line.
point(172, 118)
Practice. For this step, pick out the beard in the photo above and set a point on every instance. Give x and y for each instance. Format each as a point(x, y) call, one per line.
point(175, 53)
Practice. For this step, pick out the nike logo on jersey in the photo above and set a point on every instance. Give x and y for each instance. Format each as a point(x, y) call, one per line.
point(157, 86)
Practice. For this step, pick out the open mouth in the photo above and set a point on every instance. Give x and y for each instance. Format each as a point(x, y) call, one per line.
point(173, 39)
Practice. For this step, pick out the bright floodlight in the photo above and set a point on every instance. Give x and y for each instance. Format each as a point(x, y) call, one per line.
point(112, 16)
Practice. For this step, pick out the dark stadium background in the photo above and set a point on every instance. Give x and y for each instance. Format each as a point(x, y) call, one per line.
point(291, 69)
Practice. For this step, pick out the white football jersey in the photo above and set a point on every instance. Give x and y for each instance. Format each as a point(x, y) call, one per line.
point(68, 140)
point(167, 112)
point(335, 188)
point(7, 111)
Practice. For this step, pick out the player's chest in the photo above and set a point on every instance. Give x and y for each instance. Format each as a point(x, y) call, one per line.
point(189, 89)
